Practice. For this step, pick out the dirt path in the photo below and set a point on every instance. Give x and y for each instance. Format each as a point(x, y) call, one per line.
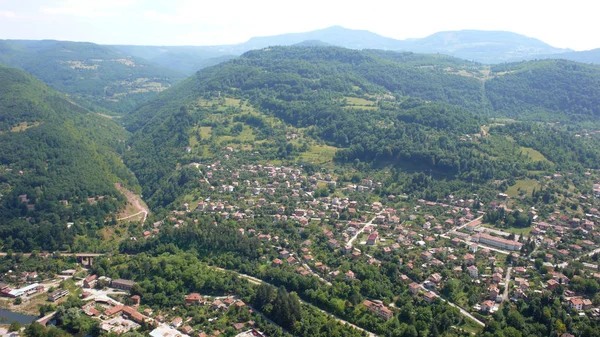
point(136, 207)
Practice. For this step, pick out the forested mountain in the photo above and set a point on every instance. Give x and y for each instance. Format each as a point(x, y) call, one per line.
point(97, 77)
point(419, 113)
point(560, 89)
point(54, 157)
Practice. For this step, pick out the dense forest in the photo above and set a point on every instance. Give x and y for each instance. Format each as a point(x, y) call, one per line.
point(54, 156)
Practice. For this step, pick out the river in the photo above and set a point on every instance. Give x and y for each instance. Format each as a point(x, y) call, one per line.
point(8, 317)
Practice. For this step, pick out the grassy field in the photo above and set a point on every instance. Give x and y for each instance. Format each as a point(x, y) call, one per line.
point(205, 132)
point(319, 154)
point(245, 136)
point(522, 185)
point(360, 103)
point(533, 154)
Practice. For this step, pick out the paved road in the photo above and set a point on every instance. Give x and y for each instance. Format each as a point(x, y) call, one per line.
point(307, 267)
point(370, 223)
point(565, 264)
point(257, 281)
point(462, 226)
point(506, 284)
point(462, 311)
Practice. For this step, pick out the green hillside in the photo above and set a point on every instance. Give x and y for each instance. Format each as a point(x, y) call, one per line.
point(421, 115)
point(54, 156)
point(97, 77)
point(546, 90)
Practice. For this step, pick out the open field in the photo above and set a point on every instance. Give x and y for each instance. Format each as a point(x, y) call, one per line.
point(522, 185)
point(319, 154)
point(533, 154)
point(360, 103)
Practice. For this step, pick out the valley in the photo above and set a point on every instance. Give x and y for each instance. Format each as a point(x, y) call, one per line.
point(304, 191)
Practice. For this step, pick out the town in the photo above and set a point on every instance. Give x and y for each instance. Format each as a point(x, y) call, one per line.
point(321, 228)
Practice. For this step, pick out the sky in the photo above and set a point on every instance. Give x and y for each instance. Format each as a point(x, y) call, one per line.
point(571, 24)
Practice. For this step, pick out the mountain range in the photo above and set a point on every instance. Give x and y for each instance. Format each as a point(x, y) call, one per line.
point(487, 47)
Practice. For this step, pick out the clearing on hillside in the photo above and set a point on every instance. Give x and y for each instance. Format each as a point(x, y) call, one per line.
point(533, 154)
point(524, 185)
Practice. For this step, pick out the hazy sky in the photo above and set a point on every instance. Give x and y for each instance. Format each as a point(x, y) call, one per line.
point(566, 24)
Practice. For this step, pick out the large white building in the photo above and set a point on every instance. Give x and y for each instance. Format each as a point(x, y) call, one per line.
point(496, 241)
point(30, 289)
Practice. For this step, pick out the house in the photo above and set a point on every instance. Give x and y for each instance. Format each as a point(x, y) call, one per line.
point(379, 309)
point(414, 288)
point(284, 254)
point(277, 263)
point(176, 322)
point(350, 275)
point(473, 272)
point(493, 292)
point(429, 297)
point(90, 281)
point(123, 284)
point(333, 244)
point(404, 279)
point(113, 311)
point(576, 303)
point(427, 256)
point(487, 306)
point(372, 239)
point(552, 284)
point(238, 326)
point(135, 300)
point(435, 278)
point(469, 259)
point(193, 299)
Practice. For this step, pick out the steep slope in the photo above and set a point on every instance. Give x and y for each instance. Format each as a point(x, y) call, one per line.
point(95, 76)
point(54, 156)
point(554, 90)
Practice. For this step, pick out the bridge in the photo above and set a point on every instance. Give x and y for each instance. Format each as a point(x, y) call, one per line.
point(44, 320)
point(86, 259)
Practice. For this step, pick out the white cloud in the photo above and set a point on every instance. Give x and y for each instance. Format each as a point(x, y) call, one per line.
point(90, 8)
point(7, 14)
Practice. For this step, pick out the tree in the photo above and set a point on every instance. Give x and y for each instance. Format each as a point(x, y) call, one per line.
point(14, 326)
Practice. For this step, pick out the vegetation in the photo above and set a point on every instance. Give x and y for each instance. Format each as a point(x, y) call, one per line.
point(50, 171)
point(97, 77)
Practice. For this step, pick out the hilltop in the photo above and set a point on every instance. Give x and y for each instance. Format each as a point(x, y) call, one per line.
point(97, 77)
